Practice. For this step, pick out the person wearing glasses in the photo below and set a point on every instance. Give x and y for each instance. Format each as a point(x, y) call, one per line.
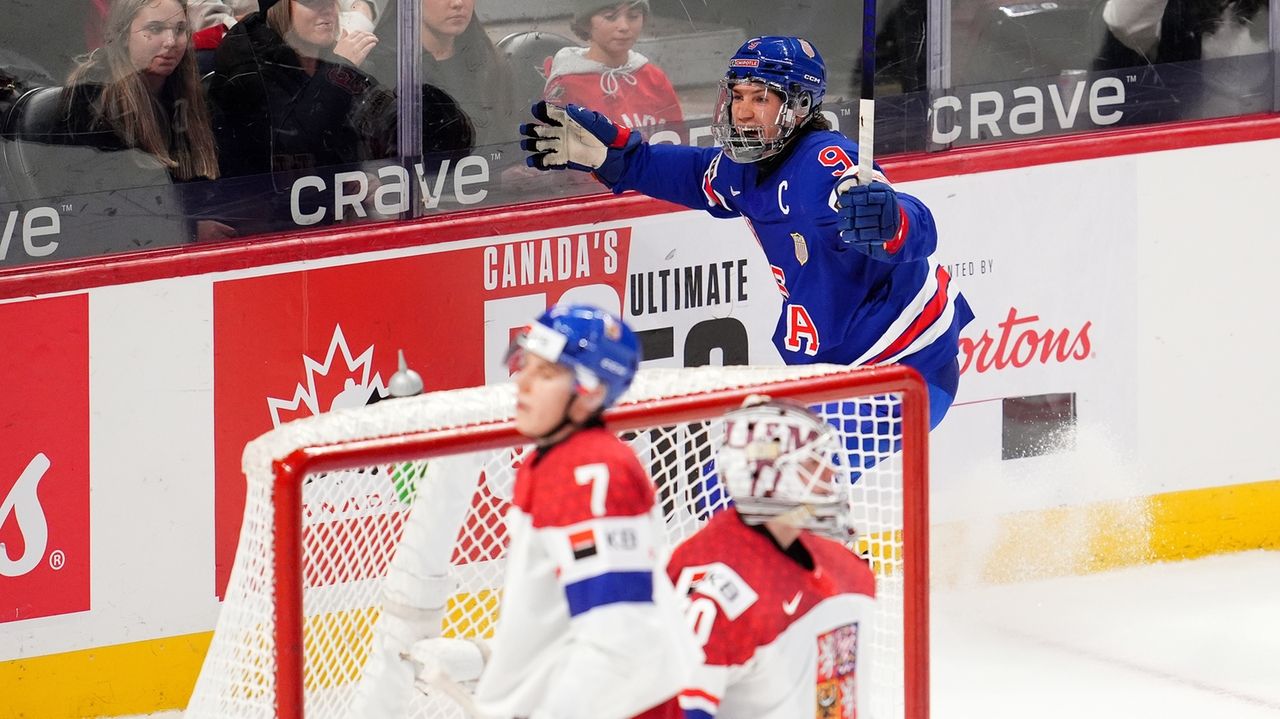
point(140, 91)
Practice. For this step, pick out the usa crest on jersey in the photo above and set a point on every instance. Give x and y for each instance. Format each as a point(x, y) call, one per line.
point(838, 673)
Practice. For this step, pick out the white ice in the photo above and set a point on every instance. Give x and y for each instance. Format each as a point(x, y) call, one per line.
point(1180, 640)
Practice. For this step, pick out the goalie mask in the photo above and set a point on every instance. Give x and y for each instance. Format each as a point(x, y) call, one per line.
point(781, 461)
point(786, 66)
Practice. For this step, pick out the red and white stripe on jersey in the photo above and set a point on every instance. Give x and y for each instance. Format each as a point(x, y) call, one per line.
point(603, 561)
point(699, 704)
point(714, 198)
point(899, 237)
point(926, 318)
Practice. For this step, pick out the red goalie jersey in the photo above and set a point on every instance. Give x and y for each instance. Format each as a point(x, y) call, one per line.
point(782, 640)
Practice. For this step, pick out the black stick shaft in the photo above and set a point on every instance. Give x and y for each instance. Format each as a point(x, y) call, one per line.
point(867, 105)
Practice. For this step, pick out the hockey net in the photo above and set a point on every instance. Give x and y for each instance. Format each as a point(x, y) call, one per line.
point(328, 498)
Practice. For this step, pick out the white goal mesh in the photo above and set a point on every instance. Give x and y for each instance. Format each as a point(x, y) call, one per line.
point(328, 505)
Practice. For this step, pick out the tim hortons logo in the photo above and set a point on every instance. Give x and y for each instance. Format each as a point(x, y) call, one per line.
point(24, 504)
point(1021, 342)
point(357, 385)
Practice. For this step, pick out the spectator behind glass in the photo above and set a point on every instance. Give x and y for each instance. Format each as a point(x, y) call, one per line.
point(608, 75)
point(203, 14)
point(1147, 31)
point(288, 94)
point(140, 91)
point(459, 58)
point(1224, 42)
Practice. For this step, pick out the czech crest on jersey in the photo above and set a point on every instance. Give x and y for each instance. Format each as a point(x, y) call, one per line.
point(838, 673)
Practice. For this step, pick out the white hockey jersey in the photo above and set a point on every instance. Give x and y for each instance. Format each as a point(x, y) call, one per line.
point(589, 625)
point(781, 641)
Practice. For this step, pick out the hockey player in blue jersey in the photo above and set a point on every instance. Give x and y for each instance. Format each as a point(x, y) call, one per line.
point(853, 263)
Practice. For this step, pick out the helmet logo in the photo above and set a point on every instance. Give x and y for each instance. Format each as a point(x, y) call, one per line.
point(744, 62)
point(612, 329)
point(544, 342)
point(753, 44)
point(766, 441)
point(808, 49)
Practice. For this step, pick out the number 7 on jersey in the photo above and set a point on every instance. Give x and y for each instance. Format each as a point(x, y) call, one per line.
point(597, 475)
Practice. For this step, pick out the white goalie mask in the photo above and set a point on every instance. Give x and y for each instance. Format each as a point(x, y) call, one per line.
point(781, 461)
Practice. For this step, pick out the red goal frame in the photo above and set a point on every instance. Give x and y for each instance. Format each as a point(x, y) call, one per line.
point(292, 469)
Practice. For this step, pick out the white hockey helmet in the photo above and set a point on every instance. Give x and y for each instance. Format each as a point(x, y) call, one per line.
point(781, 461)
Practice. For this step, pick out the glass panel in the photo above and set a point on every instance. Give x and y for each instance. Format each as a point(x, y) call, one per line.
point(415, 111)
point(1033, 69)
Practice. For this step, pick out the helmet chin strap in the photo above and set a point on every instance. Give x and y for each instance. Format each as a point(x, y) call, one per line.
point(549, 437)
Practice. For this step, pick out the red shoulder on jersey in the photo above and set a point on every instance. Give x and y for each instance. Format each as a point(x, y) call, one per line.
point(590, 474)
point(758, 591)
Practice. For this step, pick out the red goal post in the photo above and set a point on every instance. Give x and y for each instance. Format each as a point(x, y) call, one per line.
point(304, 592)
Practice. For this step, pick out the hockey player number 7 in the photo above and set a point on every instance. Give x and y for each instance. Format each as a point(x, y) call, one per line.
point(597, 475)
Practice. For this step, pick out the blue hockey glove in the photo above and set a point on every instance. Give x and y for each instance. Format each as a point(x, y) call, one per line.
point(577, 138)
point(869, 217)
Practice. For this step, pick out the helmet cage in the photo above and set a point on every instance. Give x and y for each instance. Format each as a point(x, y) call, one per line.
point(751, 143)
point(781, 462)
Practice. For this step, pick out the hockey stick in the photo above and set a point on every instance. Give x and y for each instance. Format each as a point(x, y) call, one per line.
point(867, 105)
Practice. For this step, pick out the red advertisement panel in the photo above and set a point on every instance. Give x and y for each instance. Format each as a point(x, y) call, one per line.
point(297, 344)
point(44, 458)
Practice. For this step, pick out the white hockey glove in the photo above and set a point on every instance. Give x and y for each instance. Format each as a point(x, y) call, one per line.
point(577, 138)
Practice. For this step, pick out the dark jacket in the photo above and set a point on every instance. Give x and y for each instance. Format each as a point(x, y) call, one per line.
point(1182, 30)
point(81, 120)
point(270, 115)
point(481, 85)
point(123, 197)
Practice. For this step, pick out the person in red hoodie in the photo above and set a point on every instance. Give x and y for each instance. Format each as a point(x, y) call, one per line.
point(608, 75)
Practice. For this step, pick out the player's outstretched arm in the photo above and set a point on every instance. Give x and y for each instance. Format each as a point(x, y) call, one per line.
point(884, 224)
point(576, 138)
point(573, 137)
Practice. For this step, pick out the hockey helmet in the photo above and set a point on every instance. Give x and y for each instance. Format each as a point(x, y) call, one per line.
point(598, 347)
point(788, 66)
point(779, 460)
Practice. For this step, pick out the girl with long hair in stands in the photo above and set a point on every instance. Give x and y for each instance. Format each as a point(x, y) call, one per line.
point(140, 91)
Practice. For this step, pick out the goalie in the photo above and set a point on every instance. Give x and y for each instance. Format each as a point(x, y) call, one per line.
point(782, 607)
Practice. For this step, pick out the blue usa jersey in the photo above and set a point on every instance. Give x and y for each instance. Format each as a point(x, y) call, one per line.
point(839, 305)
